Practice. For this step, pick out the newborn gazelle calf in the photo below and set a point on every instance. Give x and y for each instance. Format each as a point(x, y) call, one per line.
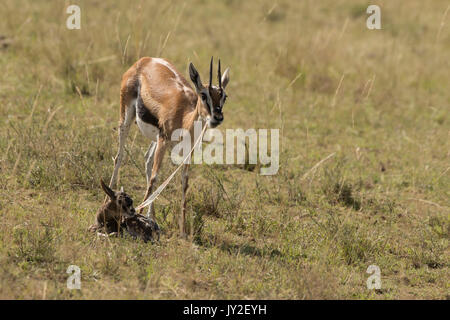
point(118, 214)
point(112, 214)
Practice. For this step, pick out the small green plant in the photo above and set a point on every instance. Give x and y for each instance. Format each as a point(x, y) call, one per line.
point(33, 246)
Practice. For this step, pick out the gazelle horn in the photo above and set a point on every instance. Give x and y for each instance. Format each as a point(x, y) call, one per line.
point(219, 76)
point(210, 72)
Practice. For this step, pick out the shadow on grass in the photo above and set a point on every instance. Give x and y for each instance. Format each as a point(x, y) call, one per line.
point(235, 249)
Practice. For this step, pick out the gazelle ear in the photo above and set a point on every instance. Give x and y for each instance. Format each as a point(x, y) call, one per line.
point(195, 77)
point(225, 77)
point(121, 189)
point(108, 190)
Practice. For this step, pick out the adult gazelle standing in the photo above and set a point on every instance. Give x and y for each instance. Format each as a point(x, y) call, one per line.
point(161, 100)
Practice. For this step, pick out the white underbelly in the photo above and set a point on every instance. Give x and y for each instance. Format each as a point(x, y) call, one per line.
point(148, 130)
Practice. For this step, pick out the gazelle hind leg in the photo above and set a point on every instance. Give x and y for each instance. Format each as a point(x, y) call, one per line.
point(124, 129)
point(158, 157)
point(149, 159)
point(185, 185)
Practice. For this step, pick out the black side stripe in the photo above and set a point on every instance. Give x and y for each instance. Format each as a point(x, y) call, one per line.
point(143, 113)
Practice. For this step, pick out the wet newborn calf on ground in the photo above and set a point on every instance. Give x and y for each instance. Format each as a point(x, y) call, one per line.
point(118, 214)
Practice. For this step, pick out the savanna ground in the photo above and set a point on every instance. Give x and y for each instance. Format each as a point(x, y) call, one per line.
point(375, 101)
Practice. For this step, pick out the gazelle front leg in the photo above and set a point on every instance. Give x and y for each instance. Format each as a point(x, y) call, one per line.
point(124, 129)
point(185, 185)
point(159, 155)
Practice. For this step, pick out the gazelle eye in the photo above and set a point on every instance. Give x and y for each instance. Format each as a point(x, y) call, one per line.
point(203, 96)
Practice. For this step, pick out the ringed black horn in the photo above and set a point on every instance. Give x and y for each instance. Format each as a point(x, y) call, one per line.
point(210, 72)
point(219, 76)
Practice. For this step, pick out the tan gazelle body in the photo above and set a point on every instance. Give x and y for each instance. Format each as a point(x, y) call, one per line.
point(161, 100)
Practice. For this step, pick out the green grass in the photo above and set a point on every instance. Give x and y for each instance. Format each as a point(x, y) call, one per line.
point(377, 99)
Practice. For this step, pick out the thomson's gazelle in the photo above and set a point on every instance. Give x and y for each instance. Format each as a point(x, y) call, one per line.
point(161, 100)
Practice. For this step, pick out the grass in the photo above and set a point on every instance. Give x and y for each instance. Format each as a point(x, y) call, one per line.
point(372, 104)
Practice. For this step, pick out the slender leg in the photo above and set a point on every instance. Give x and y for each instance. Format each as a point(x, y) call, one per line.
point(124, 129)
point(159, 155)
point(149, 157)
point(185, 185)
